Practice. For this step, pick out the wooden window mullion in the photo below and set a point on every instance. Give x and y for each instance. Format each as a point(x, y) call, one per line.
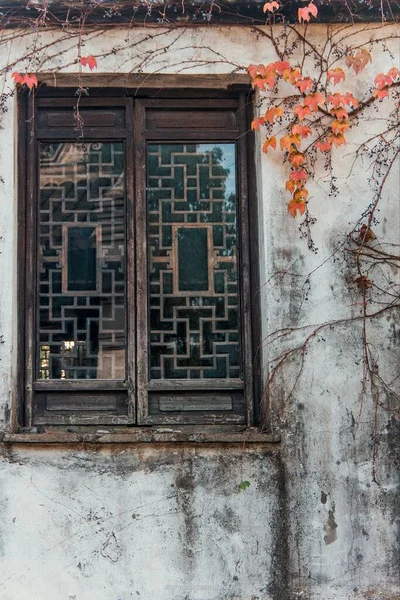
point(141, 264)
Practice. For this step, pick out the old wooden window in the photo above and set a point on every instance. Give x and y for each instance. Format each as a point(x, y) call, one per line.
point(135, 238)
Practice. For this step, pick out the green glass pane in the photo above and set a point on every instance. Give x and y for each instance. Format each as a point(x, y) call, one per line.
point(192, 250)
point(81, 258)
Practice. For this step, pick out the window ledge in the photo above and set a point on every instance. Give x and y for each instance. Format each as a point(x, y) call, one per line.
point(145, 435)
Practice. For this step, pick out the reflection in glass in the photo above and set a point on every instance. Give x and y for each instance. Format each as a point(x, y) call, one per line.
point(81, 296)
point(193, 274)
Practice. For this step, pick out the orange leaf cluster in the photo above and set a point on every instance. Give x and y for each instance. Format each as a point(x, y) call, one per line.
point(302, 130)
point(337, 139)
point(27, 79)
point(298, 176)
point(297, 159)
point(291, 75)
point(265, 76)
point(314, 100)
point(359, 60)
point(339, 99)
point(296, 205)
point(302, 111)
point(257, 122)
point(304, 14)
point(339, 113)
point(273, 112)
point(336, 75)
point(88, 61)
point(288, 142)
point(339, 126)
point(270, 115)
point(383, 83)
point(340, 106)
point(323, 146)
point(304, 84)
point(269, 143)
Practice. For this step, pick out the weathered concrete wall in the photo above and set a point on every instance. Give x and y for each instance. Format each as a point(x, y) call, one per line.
point(168, 522)
point(158, 523)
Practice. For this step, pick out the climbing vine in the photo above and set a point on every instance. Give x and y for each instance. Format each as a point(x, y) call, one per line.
point(306, 114)
point(314, 109)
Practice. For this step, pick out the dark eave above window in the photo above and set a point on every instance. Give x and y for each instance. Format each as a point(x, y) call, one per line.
point(100, 13)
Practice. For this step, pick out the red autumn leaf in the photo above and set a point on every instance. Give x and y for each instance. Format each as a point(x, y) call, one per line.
point(304, 84)
point(260, 81)
point(290, 186)
point(257, 122)
point(323, 146)
point(18, 77)
point(304, 13)
point(30, 80)
point(394, 73)
point(302, 130)
point(340, 113)
point(270, 6)
point(381, 94)
point(297, 159)
point(339, 126)
point(280, 66)
point(359, 60)
point(291, 75)
point(252, 70)
point(269, 143)
point(302, 111)
point(296, 205)
point(270, 80)
point(298, 175)
point(288, 141)
point(314, 100)
point(349, 99)
point(337, 139)
point(338, 99)
point(382, 80)
point(262, 69)
point(301, 194)
point(336, 75)
point(89, 61)
point(273, 113)
point(312, 9)
point(366, 234)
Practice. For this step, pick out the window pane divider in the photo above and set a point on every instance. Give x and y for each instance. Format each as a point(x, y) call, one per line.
point(193, 384)
point(79, 385)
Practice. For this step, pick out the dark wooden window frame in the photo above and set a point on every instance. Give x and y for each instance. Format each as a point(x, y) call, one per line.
point(32, 394)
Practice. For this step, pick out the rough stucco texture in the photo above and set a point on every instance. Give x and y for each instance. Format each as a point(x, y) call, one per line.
point(168, 523)
point(164, 523)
